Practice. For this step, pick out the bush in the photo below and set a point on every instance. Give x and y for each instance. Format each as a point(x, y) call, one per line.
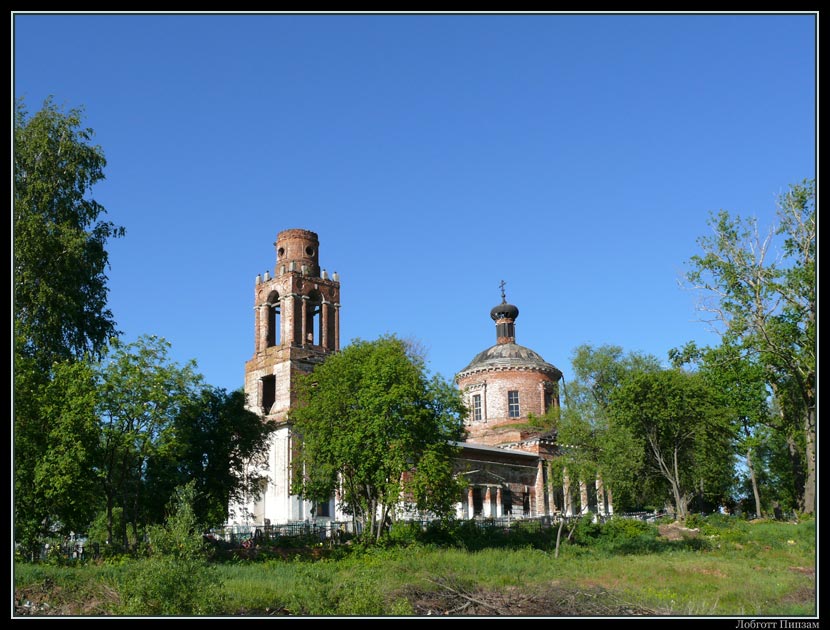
point(472, 535)
point(176, 579)
point(406, 532)
point(617, 536)
point(166, 585)
point(619, 528)
point(726, 527)
point(586, 532)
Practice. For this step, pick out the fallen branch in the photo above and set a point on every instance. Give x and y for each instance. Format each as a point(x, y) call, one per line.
point(465, 596)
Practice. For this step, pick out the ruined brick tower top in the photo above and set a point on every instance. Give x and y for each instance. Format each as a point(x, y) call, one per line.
point(298, 250)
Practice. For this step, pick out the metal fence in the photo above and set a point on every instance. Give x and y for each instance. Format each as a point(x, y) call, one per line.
point(335, 530)
point(301, 530)
point(69, 551)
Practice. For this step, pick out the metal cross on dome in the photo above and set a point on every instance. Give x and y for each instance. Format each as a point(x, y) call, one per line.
point(501, 286)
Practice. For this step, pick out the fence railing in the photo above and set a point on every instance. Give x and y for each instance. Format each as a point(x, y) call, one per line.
point(238, 534)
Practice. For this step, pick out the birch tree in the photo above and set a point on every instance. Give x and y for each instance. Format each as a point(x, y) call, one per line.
point(758, 291)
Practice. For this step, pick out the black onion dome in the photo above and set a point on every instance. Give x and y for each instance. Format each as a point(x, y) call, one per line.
point(504, 311)
point(509, 356)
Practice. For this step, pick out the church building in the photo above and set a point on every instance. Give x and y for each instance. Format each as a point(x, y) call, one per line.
point(505, 458)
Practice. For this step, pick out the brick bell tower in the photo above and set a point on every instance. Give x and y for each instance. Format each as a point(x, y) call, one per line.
point(296, 325)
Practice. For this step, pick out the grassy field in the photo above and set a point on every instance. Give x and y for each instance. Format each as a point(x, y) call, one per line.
point(741, 570)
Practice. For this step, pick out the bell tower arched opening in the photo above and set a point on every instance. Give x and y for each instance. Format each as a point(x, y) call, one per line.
point(273, 334)
point(313, 328)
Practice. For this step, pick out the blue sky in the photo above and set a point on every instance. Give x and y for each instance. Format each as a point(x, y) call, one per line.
point(575, 157)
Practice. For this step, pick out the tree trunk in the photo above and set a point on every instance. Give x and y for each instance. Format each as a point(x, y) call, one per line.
point(109, 519)
point(372, 508)
point(559, 535)
point(384, 512)
point(679, 499)
point(754, 481)
point(798, 471)
point(679, 503)
point(810, 479)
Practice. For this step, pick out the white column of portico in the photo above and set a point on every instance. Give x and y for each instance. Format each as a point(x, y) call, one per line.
point(600, 496)
point(566, 489)
point(583, 497)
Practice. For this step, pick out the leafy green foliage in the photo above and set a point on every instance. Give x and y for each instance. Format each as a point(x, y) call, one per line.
point(176, 579)
point(216, 442)
point(374, 426)
point(55, 449)
point(585, 531)
point(590, 443)
point(475, 535)
point(60, 316)
point(142, 392)
point(742, 388)
point(682, 427)
point(60, 258)
point(765, 304)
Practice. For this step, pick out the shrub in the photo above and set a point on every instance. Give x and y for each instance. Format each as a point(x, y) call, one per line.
point(406, 532)
point(586, 531)
point(617, 536)
point(176, 579)
point(726, 527)
point(619, 528)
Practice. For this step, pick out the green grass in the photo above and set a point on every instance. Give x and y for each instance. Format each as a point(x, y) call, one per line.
point(753, 569)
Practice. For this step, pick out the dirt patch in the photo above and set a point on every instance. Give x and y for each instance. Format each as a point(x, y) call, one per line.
point(452, 599)
point(48, 599)
point(440, 598)
point(805, 595)
point(675, 531)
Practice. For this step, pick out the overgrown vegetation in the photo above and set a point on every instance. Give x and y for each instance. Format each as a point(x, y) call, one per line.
point(174, 578)
point(726, 566)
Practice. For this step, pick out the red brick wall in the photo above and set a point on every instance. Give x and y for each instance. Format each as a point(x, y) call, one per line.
point(493, 387)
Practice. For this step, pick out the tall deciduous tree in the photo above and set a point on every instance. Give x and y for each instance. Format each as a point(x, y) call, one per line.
point(682, 427)
point(590, 442)
point(59, 262)
point(214, 442)
point(374, 426)
point(742, 388)
point(55, 450)
point(766, 303)
point(142, 393)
